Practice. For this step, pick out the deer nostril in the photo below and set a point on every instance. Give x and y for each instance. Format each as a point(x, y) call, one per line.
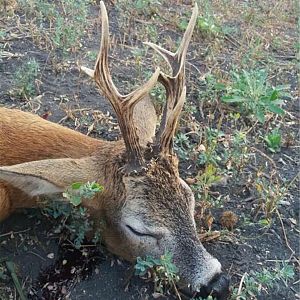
point(218, 287)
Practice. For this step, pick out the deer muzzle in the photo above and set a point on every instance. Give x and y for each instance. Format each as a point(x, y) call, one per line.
point(200, 271)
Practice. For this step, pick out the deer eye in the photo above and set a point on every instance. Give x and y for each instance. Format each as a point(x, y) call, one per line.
point(141, 234)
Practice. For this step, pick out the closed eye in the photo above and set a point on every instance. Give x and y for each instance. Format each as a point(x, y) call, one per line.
point(141, 234)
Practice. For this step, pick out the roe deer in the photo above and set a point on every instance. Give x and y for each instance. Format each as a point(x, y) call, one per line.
point(146, 206)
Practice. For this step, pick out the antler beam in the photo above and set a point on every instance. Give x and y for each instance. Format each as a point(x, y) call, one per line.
point(123, 105)
point(175, 88)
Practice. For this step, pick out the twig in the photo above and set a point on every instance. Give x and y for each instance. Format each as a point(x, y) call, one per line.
point(284, 233)
point(37, 255)
point(257, 170)
point(11, 268)
point(176, 290)
point(273, 173)
point(292, 181)
point(128, 278)
point(251, 128)
point(241, 284)
point(265, 156)
point(278, 260)
point(287, 57)
point(14, 232)
point(232, 40)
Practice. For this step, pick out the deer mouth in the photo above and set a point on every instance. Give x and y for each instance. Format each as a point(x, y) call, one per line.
point(218, 288)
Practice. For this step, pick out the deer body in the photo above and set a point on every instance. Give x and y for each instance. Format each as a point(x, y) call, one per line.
point(18, 129)
point(146, 206)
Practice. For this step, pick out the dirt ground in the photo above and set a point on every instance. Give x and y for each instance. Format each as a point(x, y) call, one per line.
point(260, 187)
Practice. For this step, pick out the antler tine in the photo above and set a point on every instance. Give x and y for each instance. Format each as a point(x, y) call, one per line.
point(123, 105)
point(175, 87)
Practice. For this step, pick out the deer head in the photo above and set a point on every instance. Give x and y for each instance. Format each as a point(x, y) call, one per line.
point(147, 207)
point(158, 208)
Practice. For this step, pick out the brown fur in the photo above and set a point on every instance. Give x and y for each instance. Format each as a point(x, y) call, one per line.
point(27, 137)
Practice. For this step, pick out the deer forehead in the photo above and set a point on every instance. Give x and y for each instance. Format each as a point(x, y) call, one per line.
point(159, 195)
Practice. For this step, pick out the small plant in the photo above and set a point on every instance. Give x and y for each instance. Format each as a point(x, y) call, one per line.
point(206, 23)
point(237, 154)
point(204, 182)
point(253, 93)
point(151, 33)
point(130, 9)
point(25, 78)
point(257, 282)
point(66, 19)
point(269, 195)
point(273, 140)
point(92, 55)
point(213, 89)
point(210, 155)
point(163, 270)
point(145, 6)
point(79, 191)
point(158, 94)
point(182, 146)
point(74, 218)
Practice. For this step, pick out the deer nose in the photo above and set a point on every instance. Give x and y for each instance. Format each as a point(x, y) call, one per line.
point(218, 287)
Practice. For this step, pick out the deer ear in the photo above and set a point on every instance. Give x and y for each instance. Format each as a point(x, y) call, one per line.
point(49, 176)
point(145, 119)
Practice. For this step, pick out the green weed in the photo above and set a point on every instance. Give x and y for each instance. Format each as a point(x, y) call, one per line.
point(145, 7)
point(92, 55)
point(269, 196)
point(273, 140)
point(183, 146)
point(163, 270)
point(237, 154)
point(158, 94)
point(62, 23)
point(25, 79)
point(74, 218)
point(205, 180)
point(257, 282)
point(206, 23)
point(79, 191)
point(211, 155)
point(253, 93)
point(213, 89)
point(128, 9)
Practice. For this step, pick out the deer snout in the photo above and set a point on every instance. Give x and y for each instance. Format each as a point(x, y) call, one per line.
point(218, 287)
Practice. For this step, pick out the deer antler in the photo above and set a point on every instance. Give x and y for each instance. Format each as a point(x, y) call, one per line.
point(123, 105)
point(175, 88)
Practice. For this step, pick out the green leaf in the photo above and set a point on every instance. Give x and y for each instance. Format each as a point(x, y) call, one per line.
point(75, 200)
point(277, 102)
point(264, 222)
point(233, 99)
point(96, 187)
point(220, 86)
point(76, 185)
point(260, 116)
point(274, 95)
point(183, 24)
point(275, 109)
